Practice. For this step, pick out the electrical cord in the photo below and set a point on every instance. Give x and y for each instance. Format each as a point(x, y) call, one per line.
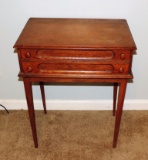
point(4, 108)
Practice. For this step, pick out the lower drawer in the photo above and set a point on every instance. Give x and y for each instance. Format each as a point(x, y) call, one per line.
point(66, 68)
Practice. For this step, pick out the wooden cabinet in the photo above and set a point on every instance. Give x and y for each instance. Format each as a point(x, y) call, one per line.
point(76, 50)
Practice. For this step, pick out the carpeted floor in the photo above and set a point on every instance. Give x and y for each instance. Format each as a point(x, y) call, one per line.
point(73, 135)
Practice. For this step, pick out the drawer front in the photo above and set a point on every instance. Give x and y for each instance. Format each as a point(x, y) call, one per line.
point(79, 55)
point(75, 62)
point(73, 68)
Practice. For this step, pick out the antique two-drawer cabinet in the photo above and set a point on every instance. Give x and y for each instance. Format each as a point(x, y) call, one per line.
point(75, 50)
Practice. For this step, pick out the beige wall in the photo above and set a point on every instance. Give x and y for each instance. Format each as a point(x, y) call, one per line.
point(15, 13)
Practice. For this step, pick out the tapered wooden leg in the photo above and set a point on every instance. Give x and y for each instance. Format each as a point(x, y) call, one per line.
point(43, 96)
point(114, 98)
point(121, 96)
point(29, 98)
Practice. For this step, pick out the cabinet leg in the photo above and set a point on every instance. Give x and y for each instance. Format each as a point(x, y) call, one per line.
point(121, 96)
point(29, 98)
point(43, 96)
point(115, 98)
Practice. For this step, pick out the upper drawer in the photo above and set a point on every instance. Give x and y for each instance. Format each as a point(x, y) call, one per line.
point(96, 55)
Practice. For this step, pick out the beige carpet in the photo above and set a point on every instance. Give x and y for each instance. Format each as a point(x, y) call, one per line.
point(73, 135)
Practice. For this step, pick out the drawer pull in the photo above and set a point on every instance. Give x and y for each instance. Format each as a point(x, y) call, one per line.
point(121, 70)
point(29, 69)
point(122, 56)
point(28, 55)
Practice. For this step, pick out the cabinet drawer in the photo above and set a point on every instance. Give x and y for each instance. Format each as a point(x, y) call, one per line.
point(96, 55)
point(66, 68)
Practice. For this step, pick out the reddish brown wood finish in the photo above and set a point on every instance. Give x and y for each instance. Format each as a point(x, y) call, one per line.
point(43, 96)
point(115, 98)
point(122, 91)
point(75, 50)
point(29, 98)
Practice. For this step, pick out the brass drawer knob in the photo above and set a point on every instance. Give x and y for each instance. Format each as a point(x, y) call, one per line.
point(29, 69)
point(28, 55)
point(121, 70)
point(122, 56)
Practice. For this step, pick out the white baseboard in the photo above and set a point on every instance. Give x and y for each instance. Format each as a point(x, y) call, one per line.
point(13, 104)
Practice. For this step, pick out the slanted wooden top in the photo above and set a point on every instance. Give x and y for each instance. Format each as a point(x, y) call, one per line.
point(65, 33)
